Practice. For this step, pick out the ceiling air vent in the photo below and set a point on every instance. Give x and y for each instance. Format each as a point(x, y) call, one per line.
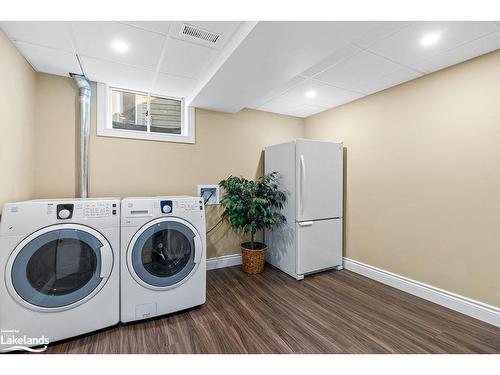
point(196, 32)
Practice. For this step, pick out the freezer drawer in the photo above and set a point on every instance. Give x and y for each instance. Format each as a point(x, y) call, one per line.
point(319, 245)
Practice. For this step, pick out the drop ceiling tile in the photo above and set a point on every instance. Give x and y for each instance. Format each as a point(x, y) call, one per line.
point(49, 60)
point(94, 39)
point(360, 67)
point(337, 56)
point(48, 34)
point(379, 31)
point(224, 28)
point(161, 27)
point(186, 59)
point(308, 110)
point(404, 46)
point(326, 96)
point(488, 43)
point(118, 75)
point(281, 105)
point(169, 85)
point(277, 92)
point(392, 79)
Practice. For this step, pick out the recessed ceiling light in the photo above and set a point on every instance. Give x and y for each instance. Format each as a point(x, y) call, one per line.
point(310, 94)
point(430, 39)
point(119, 46)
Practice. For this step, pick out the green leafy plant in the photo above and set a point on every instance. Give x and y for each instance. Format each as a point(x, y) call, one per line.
point(253, 205)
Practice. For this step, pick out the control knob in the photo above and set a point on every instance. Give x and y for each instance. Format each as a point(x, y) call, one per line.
point(64, 214)
point(167, 209)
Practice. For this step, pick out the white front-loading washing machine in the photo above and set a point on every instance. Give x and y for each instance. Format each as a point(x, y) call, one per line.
point(163, 256)
point(59, 269)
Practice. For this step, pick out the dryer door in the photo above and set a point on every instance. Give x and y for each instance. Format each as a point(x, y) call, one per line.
point(164, 253)
point(59, 267)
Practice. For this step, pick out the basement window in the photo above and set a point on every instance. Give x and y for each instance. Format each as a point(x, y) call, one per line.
point(139, 115)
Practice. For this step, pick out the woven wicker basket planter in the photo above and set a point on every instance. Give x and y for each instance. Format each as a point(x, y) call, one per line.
point(253, 260)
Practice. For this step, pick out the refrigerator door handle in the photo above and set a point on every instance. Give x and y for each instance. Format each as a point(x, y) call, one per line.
point(306, 223)
point(302, 182)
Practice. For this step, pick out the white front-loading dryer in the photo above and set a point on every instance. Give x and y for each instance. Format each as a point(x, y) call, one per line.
point(59, 270)
point(163, 256)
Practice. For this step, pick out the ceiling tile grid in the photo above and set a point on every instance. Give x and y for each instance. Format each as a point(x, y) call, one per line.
point(333, 59)
point(345, 60)
point(405, 46)
point(281, 105)
point(156, 56)
point(277, 92)
point(118, 75)
point(389, 54)
point(394, 78)
point(54, 35)
point(308, 110)
point(352, 72)
point(484, 44)
point(379, 31)
point(325, 94)
point(170, 85)
point(186, 59)
point(160, 27)
point(93, 39)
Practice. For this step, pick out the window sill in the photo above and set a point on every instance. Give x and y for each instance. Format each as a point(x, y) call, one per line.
point(139, 135)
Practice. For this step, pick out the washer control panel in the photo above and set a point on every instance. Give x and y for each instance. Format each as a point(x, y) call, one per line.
point(99, 209)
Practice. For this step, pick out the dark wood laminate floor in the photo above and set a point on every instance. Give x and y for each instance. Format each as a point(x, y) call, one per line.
point(330, 312)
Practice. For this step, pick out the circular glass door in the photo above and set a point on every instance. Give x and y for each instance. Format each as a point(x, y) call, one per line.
point(164, 253)
point(57, 268)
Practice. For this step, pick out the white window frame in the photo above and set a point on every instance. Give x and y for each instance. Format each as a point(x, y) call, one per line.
point(105, 119)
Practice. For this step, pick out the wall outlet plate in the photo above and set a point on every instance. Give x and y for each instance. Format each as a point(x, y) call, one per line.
point(209, 193)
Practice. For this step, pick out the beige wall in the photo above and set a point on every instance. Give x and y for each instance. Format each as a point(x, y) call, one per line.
point(225, 144)
point(57, 137)
point(17, 105)
point(423, 177)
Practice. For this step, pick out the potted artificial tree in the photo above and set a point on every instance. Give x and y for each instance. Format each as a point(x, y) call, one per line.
point(251, 206)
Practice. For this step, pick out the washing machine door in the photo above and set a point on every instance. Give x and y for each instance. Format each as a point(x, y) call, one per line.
point(164, 253)
point(59, 267)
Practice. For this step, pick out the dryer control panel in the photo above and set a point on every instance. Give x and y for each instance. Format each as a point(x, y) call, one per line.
point(142, 207)
point(137, 211)
point(181, 206)
point(189, 205)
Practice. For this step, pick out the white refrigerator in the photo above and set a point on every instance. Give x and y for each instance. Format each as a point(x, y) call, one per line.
point(311, 174)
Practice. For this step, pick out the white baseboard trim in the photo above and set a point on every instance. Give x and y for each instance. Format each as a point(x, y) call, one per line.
point(223, 261)
point(486, 313)
point(464, 305)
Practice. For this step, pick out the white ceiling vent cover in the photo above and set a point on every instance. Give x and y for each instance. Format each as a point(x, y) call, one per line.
point(198, 33)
